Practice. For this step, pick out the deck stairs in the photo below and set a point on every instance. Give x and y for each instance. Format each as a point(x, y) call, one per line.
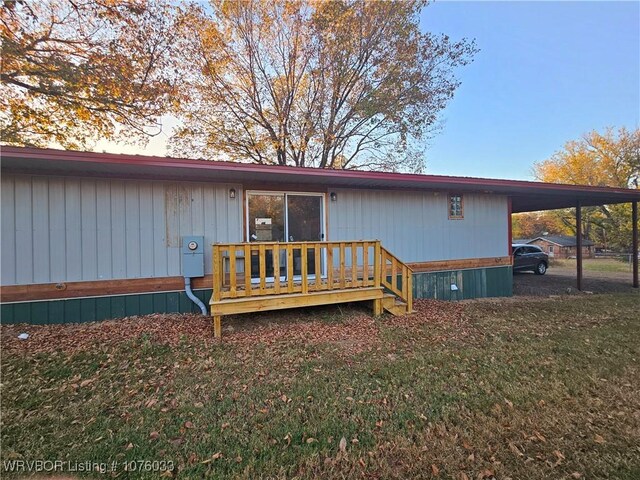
point(352, 271)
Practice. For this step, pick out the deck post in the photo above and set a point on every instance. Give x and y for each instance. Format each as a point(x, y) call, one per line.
point(377, 264)
point(579, 244)
point(217, 326)
point(634, 248)
point(409, 291)
point(377, 307)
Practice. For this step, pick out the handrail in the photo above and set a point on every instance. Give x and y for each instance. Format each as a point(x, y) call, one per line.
point(304, 267)
point(400, 284)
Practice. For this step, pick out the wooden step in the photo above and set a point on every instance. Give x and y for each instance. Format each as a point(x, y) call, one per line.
point(393, 305)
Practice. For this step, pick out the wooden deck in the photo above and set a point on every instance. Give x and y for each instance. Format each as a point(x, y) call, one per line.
point(260, 276)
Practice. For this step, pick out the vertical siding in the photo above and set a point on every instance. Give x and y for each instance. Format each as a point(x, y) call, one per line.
point(415, 225)
point(8, 230)
point(62, 229)
point(472, 283)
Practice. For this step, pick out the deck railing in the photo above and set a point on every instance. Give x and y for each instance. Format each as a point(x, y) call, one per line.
point(397, 277)
point(296, 267)
point(242, 270)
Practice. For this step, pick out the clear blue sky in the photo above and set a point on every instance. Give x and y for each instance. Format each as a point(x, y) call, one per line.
point(547, 72)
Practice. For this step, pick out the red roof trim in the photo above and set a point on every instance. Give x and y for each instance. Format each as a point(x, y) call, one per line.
point(167, 162)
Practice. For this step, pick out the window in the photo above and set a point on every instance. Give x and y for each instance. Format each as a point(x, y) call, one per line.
point(456, 204)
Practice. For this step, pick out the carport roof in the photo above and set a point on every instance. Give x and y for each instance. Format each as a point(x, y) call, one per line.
point(526, 196)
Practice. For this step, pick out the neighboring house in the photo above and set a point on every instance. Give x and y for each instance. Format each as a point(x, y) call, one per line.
point(562, 246)
point(89, 236)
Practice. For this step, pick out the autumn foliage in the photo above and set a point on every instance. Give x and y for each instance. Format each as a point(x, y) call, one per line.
point(73, 72)
point(333, 84)
point(608, 159)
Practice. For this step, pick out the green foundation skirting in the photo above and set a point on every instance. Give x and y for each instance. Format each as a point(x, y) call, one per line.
point(474, 283)
point(75, 310)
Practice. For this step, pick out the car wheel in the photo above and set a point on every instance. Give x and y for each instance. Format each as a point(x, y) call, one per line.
point(541, 269)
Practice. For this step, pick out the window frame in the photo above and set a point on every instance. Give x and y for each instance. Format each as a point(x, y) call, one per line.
point(449, 206)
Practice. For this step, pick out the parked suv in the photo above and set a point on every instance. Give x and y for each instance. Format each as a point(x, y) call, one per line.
point(529, 258)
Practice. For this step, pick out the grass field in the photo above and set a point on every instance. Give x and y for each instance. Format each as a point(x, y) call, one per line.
point(595, 265)
point(516, 389)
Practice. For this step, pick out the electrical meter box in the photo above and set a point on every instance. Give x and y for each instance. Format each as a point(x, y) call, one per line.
point(193, 256)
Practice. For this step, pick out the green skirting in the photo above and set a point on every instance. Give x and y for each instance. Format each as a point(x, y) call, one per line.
point(472, 283)
point(75, 310)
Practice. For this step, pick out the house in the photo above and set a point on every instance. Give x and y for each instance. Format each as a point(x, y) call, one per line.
point(562, 246)
point(89, 236)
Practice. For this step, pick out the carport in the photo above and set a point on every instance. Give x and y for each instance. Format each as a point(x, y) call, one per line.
point(536, 197)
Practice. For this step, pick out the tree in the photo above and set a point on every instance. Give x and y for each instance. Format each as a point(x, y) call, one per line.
point(336, 84)
point(609, 159)
point(536, 224)
point(74, 71)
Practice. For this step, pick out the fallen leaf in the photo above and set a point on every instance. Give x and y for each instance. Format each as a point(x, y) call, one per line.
point(154, 435)
point(515, 449)
point(598, 438)
point(435, 470)
point(343, 444)
point(188, 424)
point(540, 437)
point(311, 440)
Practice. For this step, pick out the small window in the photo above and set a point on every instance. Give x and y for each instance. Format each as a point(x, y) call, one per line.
point(550, 248)
point(456, 204)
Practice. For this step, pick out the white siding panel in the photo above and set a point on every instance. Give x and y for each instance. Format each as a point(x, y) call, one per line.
point(57, 230)
point(89, 230)
point(159, 231)
point(146, 230)
point(24, 229)
point(104, 227)
point(62, 229)
point(118, 231)
point(415, 226)
point(132, 229)
point(41, 243)
point(73, 230)
point(8, 258)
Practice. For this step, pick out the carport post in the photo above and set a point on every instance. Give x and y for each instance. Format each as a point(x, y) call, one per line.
point(579, 244)
point(634, 249)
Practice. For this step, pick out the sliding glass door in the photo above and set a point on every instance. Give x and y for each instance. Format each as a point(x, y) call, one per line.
point(285, 217)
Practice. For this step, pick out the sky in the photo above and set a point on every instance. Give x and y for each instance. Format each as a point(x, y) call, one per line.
point(546, 73)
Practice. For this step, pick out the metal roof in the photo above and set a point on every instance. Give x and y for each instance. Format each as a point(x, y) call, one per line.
point(526, 196)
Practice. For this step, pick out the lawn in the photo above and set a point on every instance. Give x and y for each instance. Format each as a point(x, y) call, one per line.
point(595, 265)
point(514, 388)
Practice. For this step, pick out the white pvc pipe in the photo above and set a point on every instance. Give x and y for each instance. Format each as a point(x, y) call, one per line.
point(194, 299)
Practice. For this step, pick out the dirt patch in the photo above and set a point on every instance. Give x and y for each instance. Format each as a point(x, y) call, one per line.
point(562, 281)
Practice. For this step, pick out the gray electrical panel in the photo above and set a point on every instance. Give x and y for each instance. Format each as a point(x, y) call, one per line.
point(193, 256)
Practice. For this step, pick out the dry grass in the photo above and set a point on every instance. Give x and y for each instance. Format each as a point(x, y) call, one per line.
point(514, 389)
